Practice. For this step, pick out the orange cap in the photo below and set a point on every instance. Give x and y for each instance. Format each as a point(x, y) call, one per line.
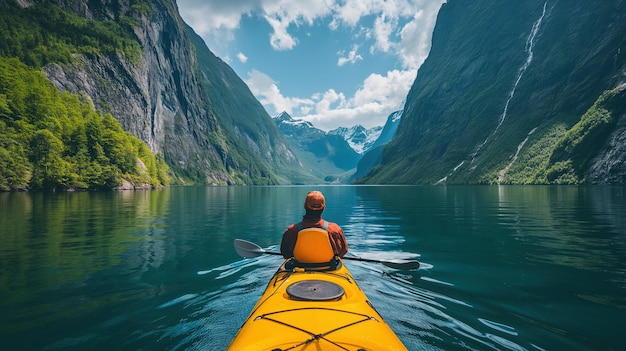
point(314, 201)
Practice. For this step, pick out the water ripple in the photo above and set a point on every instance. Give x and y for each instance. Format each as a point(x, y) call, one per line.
point(424, 317)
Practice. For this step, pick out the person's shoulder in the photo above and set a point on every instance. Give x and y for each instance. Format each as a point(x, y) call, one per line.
point(333, 226)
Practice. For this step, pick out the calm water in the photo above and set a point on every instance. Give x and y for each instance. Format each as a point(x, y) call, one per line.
point(504, 268)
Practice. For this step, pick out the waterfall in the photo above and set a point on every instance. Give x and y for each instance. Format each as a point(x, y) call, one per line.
point(502, 173)
point(530, 46)
point(444, 179)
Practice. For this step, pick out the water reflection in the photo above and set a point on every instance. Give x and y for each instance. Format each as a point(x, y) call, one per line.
point(502, 267)
point(569, 226)
point(524, 258)
point(62, 240)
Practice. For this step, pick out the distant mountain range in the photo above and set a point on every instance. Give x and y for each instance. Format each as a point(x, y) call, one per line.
point(358, 137)
point(333, 156)
point(328, 157)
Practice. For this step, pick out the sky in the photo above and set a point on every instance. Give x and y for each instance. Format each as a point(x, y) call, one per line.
point(335, 63)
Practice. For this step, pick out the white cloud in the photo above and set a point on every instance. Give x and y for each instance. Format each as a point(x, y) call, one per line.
point(207, 16)
point(283, 13)
point(351, 12)
point(216, 19)
point(266, 90)
point(330, 100)
point(352, 57)
point(416, 35)
point(280, 38)
point(395, 27)
point(242, 58)
point(296, 11)
point(383, 30)
point(389, 90)
point(372, 103)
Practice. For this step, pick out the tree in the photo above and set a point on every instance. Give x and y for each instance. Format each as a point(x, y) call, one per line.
point(46, 156)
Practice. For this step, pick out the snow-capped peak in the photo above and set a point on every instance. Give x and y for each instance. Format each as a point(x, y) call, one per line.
point(359, 138)
point(285, 118)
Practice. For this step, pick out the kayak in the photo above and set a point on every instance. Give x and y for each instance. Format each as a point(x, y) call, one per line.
point(314, 308)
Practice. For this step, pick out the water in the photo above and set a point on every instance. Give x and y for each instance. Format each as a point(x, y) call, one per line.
point(503, 267)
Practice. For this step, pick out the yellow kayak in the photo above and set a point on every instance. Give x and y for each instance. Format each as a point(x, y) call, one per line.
point(313, 309)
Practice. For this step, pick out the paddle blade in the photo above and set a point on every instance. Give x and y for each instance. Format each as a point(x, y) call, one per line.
point(402, 265)
point(248, 249)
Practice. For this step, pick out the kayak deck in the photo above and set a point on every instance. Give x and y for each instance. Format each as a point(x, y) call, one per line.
point(314, 310)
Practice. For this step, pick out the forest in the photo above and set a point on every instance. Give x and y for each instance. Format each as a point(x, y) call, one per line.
point(52, 140)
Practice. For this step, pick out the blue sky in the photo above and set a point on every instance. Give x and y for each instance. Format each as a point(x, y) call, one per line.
point(333, 63)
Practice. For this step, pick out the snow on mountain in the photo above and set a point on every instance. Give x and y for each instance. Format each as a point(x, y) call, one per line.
point(285, 119)
point(390, 129)
point(327, 155)
point(359, 138)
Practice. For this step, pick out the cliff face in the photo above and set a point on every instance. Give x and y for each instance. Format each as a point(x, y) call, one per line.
point(244, 117)
point(164, 99)
point(373, 156)
point(512, 92)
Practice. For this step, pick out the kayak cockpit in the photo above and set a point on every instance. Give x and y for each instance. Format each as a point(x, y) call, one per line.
point(293, 265)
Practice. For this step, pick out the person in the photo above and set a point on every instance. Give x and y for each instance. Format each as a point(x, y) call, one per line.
point(312, 245)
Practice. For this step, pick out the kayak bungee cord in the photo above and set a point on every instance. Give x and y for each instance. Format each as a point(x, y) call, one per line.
point(314, 336)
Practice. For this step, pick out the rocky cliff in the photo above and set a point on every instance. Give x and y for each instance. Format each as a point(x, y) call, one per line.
point(516, 92)
point(170, 99)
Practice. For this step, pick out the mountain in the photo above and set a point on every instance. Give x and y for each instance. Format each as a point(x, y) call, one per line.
point(243, 114)
point(359, 138)
point(328, 157)
point(139, 62)
point(373, 155)
point(524, 92)
point(389, 130)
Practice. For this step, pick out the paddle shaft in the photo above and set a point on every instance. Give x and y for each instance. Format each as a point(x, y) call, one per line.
point(249, 249)
point(345, 258)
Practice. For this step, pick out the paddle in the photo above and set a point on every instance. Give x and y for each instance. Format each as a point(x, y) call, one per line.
point(248, 249)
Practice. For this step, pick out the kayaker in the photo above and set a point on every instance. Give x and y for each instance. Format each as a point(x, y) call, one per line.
point(314, 205)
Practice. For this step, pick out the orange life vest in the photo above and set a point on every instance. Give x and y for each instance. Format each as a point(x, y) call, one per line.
point(313, 245)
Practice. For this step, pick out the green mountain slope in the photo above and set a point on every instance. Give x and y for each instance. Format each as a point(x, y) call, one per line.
point(53, 140)
point(244, 116)
point(134, 60)
point(504, 84)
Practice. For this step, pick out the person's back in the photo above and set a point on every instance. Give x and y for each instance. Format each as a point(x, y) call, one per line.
point(313, 239)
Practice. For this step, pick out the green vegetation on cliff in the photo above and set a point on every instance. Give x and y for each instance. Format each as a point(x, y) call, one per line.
point(515, 93)
point(53, 140)
point(561, 155)
point(573, 153)
point(44, 33)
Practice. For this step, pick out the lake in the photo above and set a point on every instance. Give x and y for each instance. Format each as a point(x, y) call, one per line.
point(503, 267)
